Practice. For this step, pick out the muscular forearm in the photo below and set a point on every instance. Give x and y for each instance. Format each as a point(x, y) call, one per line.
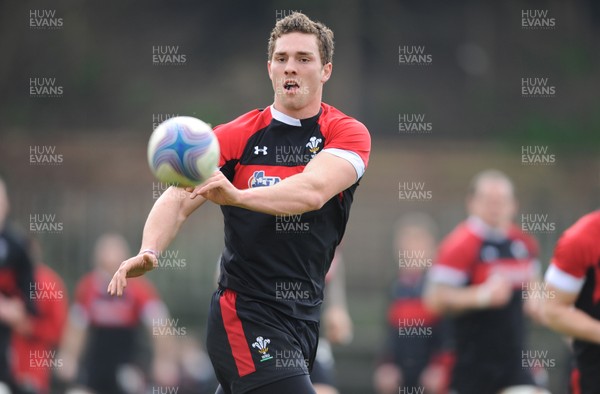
point(336, 288)
point(323, 177)
point(447, 300)
point(70, 351)
point(163, 223)
point(72, 343)
point(495, 292)
point(572, 322)
point(166, 217)
point(292, 196)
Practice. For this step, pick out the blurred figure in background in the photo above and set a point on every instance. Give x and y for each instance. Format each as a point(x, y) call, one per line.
point(196, 374)
point(479, 275)
point(34, 349)
point(572, 304)
point(337, 327)
point(417, 351)
point(16, 275)
point(107, 328)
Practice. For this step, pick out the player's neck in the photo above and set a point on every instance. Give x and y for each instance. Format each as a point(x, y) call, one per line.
point(303, 113)
point(484, 227)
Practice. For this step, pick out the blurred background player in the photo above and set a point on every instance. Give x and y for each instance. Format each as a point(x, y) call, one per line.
point(99, 347)
point(572, 306)
point(417, 359)
point(196, 374)
point(34, 347)
point(16, 275)
point(478, 276)
point(337, 327)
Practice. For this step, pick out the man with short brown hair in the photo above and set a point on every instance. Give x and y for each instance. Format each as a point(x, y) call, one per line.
point(285, 186)
point(478, 277)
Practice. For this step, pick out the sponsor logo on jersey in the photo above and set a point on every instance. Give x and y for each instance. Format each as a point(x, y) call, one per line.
point(262, 345)
point(259, 179)
point(262, 150)
point(490, 253)
point(313, 145)
point(518, 249)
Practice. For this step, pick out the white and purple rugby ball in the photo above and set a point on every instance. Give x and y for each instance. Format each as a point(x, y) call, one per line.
point(183, 151)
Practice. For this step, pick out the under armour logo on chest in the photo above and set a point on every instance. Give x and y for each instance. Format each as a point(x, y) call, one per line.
point(262, 150)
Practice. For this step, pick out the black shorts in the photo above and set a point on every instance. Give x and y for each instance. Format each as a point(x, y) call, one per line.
point(251, 344)
point(588, 381)
point(488, 377)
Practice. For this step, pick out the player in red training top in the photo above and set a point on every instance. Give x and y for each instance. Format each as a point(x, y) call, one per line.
point(573, 279)
point(286, 182)
point(99, 348)
point(336, 327)
point(16, 274)
point(479, 276)
point(418, 348)
point(34, 347)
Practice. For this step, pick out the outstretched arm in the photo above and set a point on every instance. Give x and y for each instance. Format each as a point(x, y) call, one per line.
point(166, 217)
point(336, 318)
point(495, 292)
point(561, 315)
point(323, 177)
point(72, 343)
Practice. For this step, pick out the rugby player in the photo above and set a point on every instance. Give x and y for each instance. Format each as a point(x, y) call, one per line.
point(479, 275)
point(572, 304)
point(259, 341)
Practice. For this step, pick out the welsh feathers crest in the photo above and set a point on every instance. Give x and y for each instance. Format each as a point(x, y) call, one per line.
point(262, 345)
point(313, 145)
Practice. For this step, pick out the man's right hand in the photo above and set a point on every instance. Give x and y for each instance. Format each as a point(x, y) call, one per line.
point(495, 292)
point(135, 266)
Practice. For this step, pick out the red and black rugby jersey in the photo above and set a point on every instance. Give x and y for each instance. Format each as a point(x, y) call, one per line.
point(113, 322)
point(16, 277)
point(575, 268)
point(94, 307)
point(469, 255)
point(282, 260)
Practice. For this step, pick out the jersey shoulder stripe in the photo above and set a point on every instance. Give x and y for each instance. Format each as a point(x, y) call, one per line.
point(344, 132)
point(578, 248)
point(233, 136)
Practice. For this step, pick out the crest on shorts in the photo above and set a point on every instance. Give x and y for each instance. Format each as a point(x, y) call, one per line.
point(262, 345)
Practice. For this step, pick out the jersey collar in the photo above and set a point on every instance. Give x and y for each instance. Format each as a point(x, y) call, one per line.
point(485, 231)
point(286, 119)
point(283, 118)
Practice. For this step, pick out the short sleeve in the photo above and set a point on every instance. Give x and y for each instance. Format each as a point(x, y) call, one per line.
point(350, 140)
point(233, 136)
point(569, 264)
point(144, 292)
point(148, 303)
point(226, 144)
point(79, 313)
point(454, 260)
